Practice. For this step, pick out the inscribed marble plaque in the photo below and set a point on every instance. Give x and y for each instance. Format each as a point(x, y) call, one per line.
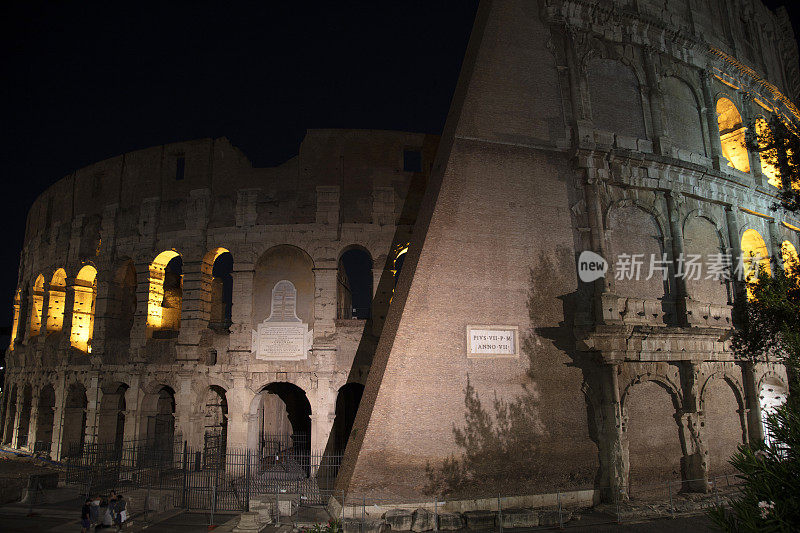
point(282, 336)
point(492, 341)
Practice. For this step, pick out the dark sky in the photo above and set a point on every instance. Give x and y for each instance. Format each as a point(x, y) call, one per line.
point(84, 81)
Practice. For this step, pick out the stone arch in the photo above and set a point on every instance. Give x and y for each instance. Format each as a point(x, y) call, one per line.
point(215, 426)
point(113, 414)
point(348, 399)
point(45, 415)
point(217, 288)
point(25, 410)
point(761, 125)
point(615, 97)
point(83, 309)
point(165, 295)
point(772, 392)
point(755, 257)
point(652, 433)
point(57, 292)
point(11, 414)
point(37, 303)
point(732, 134)
point(157, 417)
point(702, 236)
point(120, 311)
point(354, 283)
point(73, 433)
point(634, 230)
point(724, 420)
point(789, 256)
point(284, 262)
point(682, 115)
point(280, 420)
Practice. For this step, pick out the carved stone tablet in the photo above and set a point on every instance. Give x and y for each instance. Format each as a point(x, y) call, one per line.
point(492, 341)
point(282, 336)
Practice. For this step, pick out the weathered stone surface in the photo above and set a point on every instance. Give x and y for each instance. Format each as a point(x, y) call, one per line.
point(520, 518)
point(480, 519)
point(399, 519)
point(551, 517)
point(451, 521)
point(424, 520)
point(369, 525)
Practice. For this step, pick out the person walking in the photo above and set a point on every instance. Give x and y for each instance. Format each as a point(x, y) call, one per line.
point(120, 512)
point(85, 523)
point(94, 511)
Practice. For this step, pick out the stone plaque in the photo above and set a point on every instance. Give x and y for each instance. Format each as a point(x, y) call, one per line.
point(492, 341)
point(282, 336)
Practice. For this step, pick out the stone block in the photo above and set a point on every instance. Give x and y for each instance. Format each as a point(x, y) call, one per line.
point(520, 518)
point(551, 517)
point(480, 519)
point(399, 519)
point(373, 525)
point(450, 521)
point(423, 520)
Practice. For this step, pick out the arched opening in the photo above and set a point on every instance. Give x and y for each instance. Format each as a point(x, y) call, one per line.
point(615, 98)
point(635, 234)
point(37, 302)
point(700, 238)
point(215, 433)
point(789, 257)
point(24, 417)
point(44, 419)
point(11, 416)
point(354, 284)
point(120, 313)
point(165, 295)
point(15, 320)
point(755, 258)
point(111, 423)
point(158, 423)
point(217, 273)
point(280, 421)
point(683, 119)
point(83, 309)
point(732, 135)
point(722, 417)
point(58, 297)
point(771, 395)
point(347, 401)
point(74, 432)
point(767, 169)
point(654, 448)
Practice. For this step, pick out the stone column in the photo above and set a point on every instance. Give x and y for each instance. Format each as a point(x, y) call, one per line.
point(17, 417)
point(674, 212)
point(715, 149)
point(694, 463)
point(186, 411)
point(58, 417)
point(132, 413)
point(324, 301)
point(241, 328)
point(193, 319)
point(69, 306)
point(653, 87)
point(753, 157)
point(735, 251)
point(33, 422)
point(774, 245)
point(614, 465)
point(139, 329)
point(240, 420)
point(92, 409)
point(103, 304)
point(323, 408)
point(755, 428)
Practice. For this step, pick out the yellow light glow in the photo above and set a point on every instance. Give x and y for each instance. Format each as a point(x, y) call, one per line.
point(15, 323)
point(83, 309)
point(37, 302)
point(767, 169)
point(156, 318)
point(58, 298)
point(755, 257)
point(732, 135)
point(789, 256)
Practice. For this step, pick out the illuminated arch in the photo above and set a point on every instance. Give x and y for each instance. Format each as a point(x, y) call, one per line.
point(160, 317)
point(755, 257)
point(731, 134)
point(58, 298)
point(788, 254)
point(768, 170)
point(217, 287)
point(83, 309)
point(15, 323)
point(37, 301)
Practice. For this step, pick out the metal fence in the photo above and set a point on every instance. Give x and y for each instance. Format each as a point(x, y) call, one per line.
point(208, 477)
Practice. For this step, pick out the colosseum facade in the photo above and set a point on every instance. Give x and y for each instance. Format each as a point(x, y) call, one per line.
point(153, 286)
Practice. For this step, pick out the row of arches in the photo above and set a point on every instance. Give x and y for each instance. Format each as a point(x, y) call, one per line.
point(279, 415)
point(165, 298)
point(614, 84)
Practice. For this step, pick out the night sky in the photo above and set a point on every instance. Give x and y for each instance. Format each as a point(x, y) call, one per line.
point(83, 81)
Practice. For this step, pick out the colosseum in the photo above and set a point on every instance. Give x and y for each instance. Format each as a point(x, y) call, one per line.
point(179, 291)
